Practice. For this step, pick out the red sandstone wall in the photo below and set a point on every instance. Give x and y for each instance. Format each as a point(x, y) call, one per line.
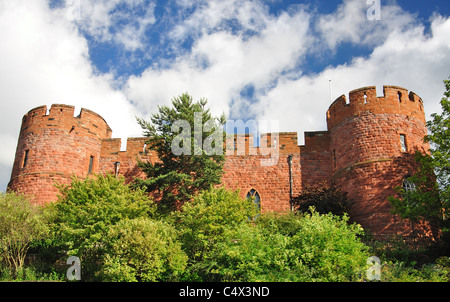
point(368, 162)
point(246, 172)
point(110, 154)
point(360, 152)
point(59, 146)
point(315, 158)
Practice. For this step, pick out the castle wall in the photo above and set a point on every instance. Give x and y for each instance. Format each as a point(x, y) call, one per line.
point(367, 157)
point(272, 182)
point(54, 147)
point(361, 153)
point(315, 158)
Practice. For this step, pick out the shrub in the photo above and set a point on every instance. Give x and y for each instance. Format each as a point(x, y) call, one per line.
point(20, 224)
point(203, 221)
point(330, 247)
point(87, 209)
point(325, 198)
point(142, 250)
point(309, 247)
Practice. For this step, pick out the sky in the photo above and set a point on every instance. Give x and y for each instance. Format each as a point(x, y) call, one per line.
point(261, 59)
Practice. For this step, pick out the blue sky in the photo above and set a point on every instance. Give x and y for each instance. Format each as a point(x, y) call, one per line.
point(260, 59)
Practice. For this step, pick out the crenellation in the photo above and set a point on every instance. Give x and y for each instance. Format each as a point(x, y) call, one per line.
point(360, 152)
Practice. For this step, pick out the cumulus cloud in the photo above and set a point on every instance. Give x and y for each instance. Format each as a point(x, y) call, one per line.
point(45, 60)
point(123, 22)
point(248, 62)
point(223, 59)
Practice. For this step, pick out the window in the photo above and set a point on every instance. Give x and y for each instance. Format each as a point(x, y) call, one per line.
point(334, 158)
point(253, 196)
point(91, 163)
point(399, 96)
point(408, 186)
point(25, 158)
point(403, 142)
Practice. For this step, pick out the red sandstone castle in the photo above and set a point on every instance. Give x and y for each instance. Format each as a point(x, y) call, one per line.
point(367, 152)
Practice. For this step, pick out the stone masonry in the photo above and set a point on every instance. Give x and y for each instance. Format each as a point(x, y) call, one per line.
point(361, 152)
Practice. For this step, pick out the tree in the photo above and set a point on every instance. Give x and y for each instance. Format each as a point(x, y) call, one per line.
point(87, 210)
point(21, 222)
point(189, 143)
point(325, 198)
point(430, 198)
point(439, 138)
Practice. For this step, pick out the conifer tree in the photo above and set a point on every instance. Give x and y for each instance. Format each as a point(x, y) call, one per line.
point(189, 144)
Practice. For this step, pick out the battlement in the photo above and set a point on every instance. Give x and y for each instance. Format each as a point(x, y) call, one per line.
point(395, 100)
point(244, 144)
point(62, 116)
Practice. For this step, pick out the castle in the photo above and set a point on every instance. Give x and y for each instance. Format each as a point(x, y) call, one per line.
point(367, 151)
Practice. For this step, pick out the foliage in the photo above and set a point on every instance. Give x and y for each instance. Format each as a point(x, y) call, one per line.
point(224, 244)
point(142, 250)
point(424, 202)
point(20, 224)
point(29, 274)
point(87, 209)
point(439, 138)
point(204, 221)
point(308, 247)
point(188, 126)
point(401, 272)
point(325, 198)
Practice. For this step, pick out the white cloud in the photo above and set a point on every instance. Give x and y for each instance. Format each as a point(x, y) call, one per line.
point(221, 63)
point(349, 23)
point(123, 22)
point(44, 60)
point(409, 58)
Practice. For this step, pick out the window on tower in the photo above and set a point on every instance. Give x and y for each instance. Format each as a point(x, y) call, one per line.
point(403, 145)
point(91, 164)
point(25, 158)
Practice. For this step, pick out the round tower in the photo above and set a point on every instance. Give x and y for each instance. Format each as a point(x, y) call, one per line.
point(55, 146)
point(373, 141)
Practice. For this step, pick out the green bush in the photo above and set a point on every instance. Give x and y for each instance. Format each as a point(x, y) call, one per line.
point(309, 247)
point(330, 247)
point(203, 221)
point(20, 224)
point(87, 210)
point(223, 243)
point(142, 250)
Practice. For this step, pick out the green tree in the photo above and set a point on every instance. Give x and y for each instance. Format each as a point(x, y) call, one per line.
point(87, 210)
point(21, 223)
point(189, 143)
point(439, 138)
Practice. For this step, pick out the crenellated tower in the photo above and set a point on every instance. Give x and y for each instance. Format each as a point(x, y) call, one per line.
point(372, 144)
point(367, 151)
point(54, 146)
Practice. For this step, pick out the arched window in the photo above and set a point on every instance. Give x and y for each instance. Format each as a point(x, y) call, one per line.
point(408, 186)
point(253, 196)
